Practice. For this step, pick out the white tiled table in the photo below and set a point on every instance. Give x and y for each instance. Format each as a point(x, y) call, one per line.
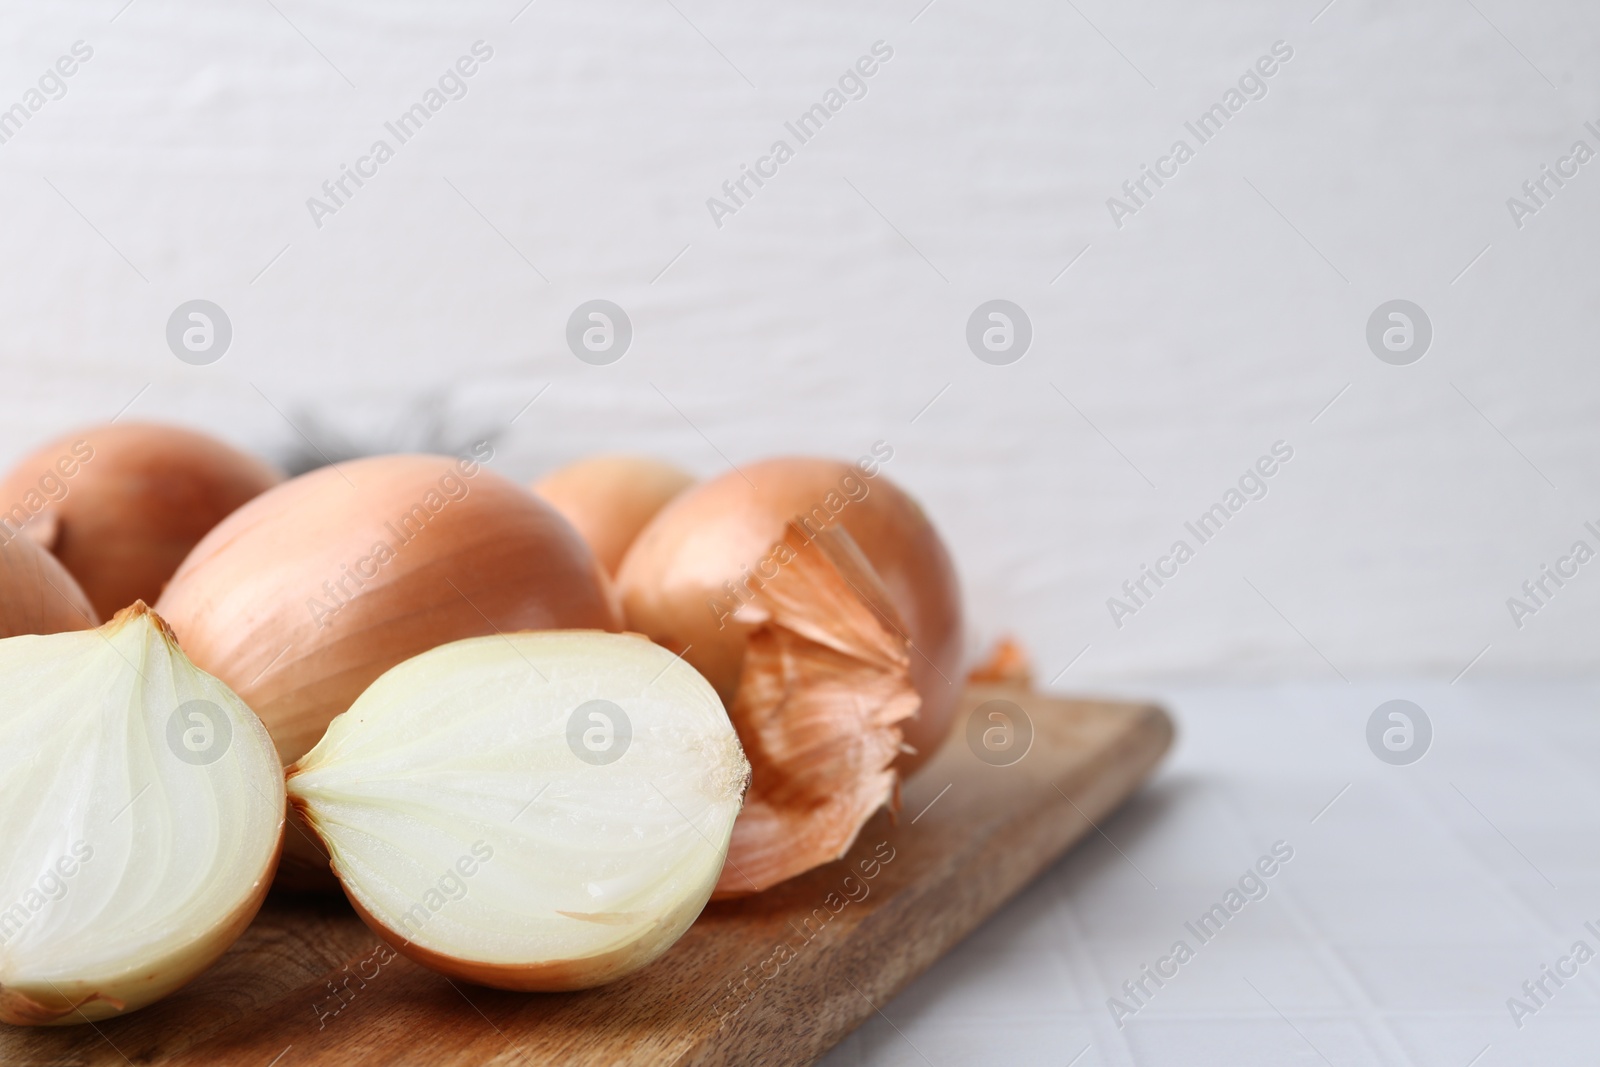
point(1414, 906)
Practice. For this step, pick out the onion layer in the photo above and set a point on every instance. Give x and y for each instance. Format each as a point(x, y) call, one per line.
point(609, 499)
point(120, 505)
point(144, 808)
point(529, 811)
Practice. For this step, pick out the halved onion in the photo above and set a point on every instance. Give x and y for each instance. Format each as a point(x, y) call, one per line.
point(609, 499)
point(121, 504)
point(528, 811)
point(144, 808)
point(37, 595)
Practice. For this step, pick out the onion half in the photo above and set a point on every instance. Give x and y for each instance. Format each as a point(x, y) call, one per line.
point(144, 809)
point(120, 505)
point(609, 499)
point(534, 811)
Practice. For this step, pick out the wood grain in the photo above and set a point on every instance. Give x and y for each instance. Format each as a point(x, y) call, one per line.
point(773, 979)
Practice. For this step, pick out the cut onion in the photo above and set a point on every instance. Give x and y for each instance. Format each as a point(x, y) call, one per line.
point(144, 809)
point(533, 811)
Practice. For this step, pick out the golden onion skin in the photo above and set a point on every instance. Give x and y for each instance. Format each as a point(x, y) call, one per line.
point(277, 603)
point(609, 499)
point(672, 581)
point(138, 498)
point(37, 595)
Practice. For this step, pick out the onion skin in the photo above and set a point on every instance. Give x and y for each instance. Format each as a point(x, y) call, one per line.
point(720, 531)
point(609, 499)
point(138, 498)
point(1007, 663)
point(37, 595)
point(824, 694)
point(497, 559)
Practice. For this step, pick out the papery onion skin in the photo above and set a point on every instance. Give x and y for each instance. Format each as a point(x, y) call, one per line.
point(138, 498)
point(37, 594)
point(824, 694)
point(1007, 663)
point(153, 976)
point(609, 499)
point(498, 559)
point(722, 531)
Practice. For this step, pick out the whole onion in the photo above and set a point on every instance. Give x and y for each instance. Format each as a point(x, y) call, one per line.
point(37, 595)
point(300, 599)
point(819, 601)
point(609, 499)
point(121, 505)
point(304, 596)
point(674, 582)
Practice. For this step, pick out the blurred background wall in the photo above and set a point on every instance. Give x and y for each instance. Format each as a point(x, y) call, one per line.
point(1172, 345)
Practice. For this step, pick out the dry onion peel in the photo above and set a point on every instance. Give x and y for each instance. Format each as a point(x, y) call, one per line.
point(825, 689)
point(144, 811)
point(1007, 663)
point(487, 824)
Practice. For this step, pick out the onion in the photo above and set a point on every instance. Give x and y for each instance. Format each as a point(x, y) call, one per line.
point(144, 809)
point(303, 597)
point(610, 498)
point(790, 595)
point(37, 595)
point(120, 505)
point(538, 811)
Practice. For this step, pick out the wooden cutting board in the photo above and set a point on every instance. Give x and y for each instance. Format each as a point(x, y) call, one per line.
point(773, 979)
